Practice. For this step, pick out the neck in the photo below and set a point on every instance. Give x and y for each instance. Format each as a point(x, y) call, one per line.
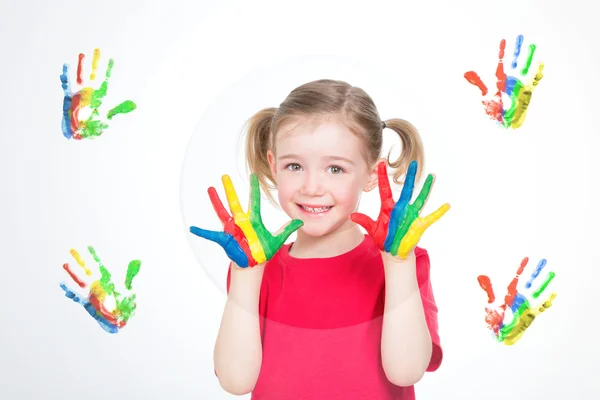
point(340, 241)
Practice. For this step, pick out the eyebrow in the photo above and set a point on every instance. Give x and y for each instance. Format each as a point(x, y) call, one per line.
point(329, 158)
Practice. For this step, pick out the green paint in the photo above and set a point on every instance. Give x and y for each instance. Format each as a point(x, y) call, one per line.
point(269, 243)
point(525, 69)
point(126, 306)
point(411, 214)
point(510, 113)
point(549, 278)
point(132, 271)
point(507, 329)
point(123, 108)
point(98, 94)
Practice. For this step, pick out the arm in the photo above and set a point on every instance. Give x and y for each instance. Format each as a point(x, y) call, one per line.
point(238, 349)
point(406, 342)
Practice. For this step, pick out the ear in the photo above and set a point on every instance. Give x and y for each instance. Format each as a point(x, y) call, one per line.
point(272, 163)
point(372, 181)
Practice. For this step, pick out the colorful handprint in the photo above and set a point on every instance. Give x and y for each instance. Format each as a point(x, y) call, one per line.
point(100, 290)
point(245, 239)
point(523, 313)
point(399, 228)
point(518, 92)
point(73, 102)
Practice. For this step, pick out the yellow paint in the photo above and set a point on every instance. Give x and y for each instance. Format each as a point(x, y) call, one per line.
point(416, 230)
point(95, 64)
point(96, 289)
point(80, 261)
point(86, 96)
point(242, 219)
point(524, 98)
point(525, 321)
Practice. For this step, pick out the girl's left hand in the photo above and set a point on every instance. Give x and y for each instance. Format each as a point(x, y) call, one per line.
point(399, 228)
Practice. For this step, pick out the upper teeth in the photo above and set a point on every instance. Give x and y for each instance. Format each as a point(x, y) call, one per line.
point(320, 209)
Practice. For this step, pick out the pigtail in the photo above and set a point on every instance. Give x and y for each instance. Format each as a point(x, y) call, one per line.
point(258, 142)
point(412, 148)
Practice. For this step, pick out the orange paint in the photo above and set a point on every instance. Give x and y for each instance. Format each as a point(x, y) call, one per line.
point(474, 79)
point(486, 284)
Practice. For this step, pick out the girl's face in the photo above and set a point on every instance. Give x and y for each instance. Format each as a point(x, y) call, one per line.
point(320, 173)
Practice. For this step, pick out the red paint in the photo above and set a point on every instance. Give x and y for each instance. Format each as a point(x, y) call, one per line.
point(75, 101)
point(102, 310)
point(73, 276)
point(501, 83)
point(494, 108)
point(494, 319)
point(378, 230)
point(512, 288)
point(229, 225)
point(80, 68)
point(486, 284)
point(474, 79)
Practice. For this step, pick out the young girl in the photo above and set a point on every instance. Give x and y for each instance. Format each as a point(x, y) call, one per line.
point(337, 314)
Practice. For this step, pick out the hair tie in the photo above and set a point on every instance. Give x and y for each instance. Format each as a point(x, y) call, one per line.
point(384, 125)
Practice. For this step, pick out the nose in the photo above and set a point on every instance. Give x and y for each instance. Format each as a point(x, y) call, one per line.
point(312, 185)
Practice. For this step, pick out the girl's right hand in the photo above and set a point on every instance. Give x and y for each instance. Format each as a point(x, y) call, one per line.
point(245, 239)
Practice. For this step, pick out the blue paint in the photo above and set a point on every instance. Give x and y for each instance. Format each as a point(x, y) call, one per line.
point(399, 210)
point(107, 326)
point(517, 51)
point(66, 122)
point(535, 273)
point(226, 241)
point(511, 81)
point(519, 300)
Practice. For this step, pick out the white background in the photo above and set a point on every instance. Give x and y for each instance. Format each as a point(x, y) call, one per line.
point(197, 70)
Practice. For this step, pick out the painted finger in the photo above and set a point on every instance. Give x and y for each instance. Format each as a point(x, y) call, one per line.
point(218, 206)
point(417, 228)
point(399, 210)
point(385, 190)
point(232, 197)
point(242, 220)
point(227, 243)
point(365, 221)
point(410, 216)
point(435, 216)
point(279, 240)
point(421, 199)
point(486, 285)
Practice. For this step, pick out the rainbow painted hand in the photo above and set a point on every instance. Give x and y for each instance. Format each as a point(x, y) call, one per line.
point(74, 102)
point(102, 290)
point(513, 87)
point(245, 239)
point(399, 228)
point(522, 312)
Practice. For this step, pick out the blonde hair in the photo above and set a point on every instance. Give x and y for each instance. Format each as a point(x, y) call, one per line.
point(324, 98)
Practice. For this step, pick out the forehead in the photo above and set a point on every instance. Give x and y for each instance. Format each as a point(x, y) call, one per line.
point(318, 138)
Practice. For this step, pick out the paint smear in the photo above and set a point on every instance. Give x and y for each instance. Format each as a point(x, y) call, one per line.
point(509, 115)
point(75, 254)
point(110, 320)
point(523, 314)
point(94, 125)
point(74, 276)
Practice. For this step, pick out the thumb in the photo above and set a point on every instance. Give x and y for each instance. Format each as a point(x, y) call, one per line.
point(363, 220)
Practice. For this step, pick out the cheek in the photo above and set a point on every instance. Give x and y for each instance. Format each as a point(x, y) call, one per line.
point(346, 193)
